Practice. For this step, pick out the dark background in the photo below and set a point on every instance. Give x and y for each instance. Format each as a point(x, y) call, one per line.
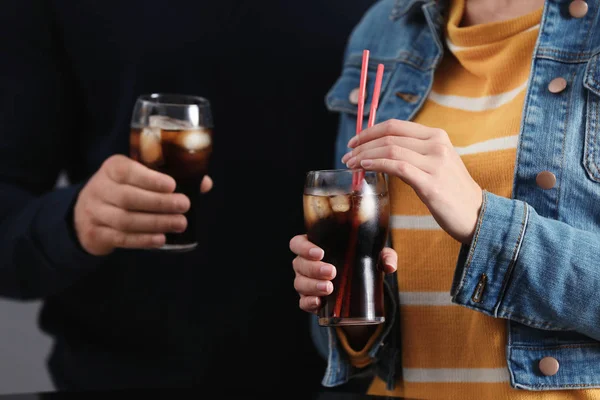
point(266, 67)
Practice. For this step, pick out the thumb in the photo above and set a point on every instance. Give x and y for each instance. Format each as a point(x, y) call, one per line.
point(206, 185)
point(389, 259)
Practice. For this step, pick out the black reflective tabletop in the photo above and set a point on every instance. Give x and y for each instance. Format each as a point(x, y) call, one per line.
point(193, 394)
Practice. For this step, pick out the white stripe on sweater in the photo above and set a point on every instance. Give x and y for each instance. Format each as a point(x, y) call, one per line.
point(502, 143)
point(476, 104)
point(425, 299)
point(420, 222)
point(473, 375)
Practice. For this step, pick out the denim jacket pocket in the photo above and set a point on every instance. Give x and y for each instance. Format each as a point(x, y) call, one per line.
point(591, 152)
point(342, 97)
point(576, 364)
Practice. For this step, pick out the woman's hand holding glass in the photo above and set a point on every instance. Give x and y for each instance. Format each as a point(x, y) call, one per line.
point(425, 159)
point(313, 276)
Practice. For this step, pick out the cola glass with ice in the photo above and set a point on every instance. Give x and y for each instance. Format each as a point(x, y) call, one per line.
point(349, 220)
point(172, 134)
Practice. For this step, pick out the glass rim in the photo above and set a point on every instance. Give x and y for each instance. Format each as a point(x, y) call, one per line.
point(339, 170)
point(187, 100)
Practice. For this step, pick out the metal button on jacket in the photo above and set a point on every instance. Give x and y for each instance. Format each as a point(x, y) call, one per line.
point(548, 366)
point(353, 98)
point(545, 180)
point(557, 85)
point(578, 8)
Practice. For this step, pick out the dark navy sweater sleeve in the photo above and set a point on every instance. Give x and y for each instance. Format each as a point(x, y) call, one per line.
point(39, 253)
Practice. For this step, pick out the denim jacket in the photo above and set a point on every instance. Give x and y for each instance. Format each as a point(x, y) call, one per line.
point(535, 258)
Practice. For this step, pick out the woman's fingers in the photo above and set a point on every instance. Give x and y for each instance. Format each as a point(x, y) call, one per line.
point(301, 246)
point(312, 287)
point(393, 154)
point(413, 176)
point(310, 303)
point(313, 269)
point(313, 276)
point(416, 145)
point(394, 127)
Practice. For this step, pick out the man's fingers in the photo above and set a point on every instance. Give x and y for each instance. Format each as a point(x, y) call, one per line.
point(126, 171)
point(136, 240)
point(138, 222)
point(135, 199)
point(206, 185)
point(109, 238)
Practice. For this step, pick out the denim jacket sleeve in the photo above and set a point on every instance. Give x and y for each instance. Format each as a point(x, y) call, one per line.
point(530, 269)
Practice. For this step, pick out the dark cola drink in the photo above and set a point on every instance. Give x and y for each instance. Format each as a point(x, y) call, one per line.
point(182, 151)
point(352, 230)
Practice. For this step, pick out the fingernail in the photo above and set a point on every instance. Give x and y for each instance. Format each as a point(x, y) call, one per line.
point(182, 205)
point(180, 225)
point(351, 162)
point(158, 240)
point(346, 157)
point(168, 184)
point(317, 302)
point(366, 163)
point(326, 270)
point(389, 264)
point(323, 286)
point(316, 253)
point(353, 142)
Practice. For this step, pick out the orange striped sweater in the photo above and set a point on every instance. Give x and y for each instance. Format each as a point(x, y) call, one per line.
point(448, 351)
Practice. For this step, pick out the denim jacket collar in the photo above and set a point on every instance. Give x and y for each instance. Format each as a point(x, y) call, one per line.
point(402, 7)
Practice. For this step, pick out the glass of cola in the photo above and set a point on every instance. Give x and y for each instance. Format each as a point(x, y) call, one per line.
point(173, 134)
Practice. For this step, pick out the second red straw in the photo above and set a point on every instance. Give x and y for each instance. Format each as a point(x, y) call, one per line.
point(362, 90)
point(373, 111)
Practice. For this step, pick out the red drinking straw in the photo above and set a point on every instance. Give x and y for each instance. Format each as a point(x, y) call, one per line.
point(361, 174)
point(374, 105)
point(357, 178)
point(376, 92)
point(360, 115)
point(362, 91)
